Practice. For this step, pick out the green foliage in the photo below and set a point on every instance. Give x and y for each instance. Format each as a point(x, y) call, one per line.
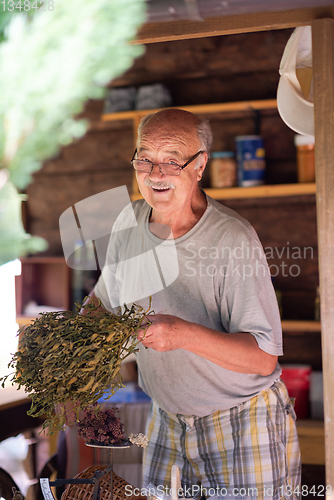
point(14, 241)
point(51, 63)
point(5, 17)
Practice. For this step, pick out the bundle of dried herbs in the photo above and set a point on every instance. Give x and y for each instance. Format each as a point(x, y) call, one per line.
point(67, 357)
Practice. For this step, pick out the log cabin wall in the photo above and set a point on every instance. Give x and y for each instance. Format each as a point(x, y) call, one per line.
point(198, 71)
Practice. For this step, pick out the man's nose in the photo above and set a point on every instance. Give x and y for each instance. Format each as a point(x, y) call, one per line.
point(155, 172)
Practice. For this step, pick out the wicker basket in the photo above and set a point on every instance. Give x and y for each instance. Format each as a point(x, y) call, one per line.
point(85, 491)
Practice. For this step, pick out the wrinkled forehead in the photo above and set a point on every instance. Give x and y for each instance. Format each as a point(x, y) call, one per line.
point(168, 134)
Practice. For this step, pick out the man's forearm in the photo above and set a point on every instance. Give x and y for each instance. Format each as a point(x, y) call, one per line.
point(238, 352)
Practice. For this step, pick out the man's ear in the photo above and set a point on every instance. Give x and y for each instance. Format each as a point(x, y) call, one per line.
point(201, 168)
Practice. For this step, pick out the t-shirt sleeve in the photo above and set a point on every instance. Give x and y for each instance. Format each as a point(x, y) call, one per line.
point(101, 293)
point(249, 301)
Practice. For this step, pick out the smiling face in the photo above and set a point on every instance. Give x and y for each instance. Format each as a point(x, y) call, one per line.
point(170, 136)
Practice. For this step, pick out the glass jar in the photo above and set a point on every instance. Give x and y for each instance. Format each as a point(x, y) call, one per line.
point(223, 170)
point(305, 158)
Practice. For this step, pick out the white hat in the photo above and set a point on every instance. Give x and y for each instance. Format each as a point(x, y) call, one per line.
point(295, 88)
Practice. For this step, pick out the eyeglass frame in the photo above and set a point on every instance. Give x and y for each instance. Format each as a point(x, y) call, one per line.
point(161, 163)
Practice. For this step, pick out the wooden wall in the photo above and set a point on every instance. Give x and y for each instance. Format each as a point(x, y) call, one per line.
point(214, 69)
point(217, 69)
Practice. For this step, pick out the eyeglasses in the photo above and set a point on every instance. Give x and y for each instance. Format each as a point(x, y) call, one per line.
point(165, 168)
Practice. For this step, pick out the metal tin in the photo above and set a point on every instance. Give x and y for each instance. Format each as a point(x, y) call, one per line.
point(250, 160)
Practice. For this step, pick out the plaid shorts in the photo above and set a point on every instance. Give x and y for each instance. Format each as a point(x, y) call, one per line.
point(250, 451)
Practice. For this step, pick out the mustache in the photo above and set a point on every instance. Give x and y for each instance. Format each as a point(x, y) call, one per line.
point(159, 184)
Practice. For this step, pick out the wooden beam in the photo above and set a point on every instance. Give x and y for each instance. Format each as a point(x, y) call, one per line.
point(323, 71)
point(227, 25)
point(224, 107)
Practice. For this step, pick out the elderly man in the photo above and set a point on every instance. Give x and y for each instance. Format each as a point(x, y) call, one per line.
point(209, 358)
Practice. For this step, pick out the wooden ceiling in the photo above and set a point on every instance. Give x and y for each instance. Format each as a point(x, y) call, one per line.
point(298, 13)
point(198, 10)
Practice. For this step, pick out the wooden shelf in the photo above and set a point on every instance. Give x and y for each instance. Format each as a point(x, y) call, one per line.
point(43, 260)
point(301, 326)
point(264, 191)
point(224, 107)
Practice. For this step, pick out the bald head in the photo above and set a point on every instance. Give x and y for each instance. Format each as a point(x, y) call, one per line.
point(177, 120)
point(174, 117)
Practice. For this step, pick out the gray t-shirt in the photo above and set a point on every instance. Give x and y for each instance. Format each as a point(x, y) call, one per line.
point(215, 275)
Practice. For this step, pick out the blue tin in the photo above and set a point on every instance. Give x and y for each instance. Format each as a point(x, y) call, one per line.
point(251, 161)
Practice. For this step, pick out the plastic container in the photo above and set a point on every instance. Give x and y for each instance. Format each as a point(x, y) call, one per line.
point(250, 160)
point(305, 158)
point(223, 169)
point(297, 381)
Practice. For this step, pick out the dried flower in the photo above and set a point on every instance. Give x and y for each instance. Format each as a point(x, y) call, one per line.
point(101, 426)
point(139, 439)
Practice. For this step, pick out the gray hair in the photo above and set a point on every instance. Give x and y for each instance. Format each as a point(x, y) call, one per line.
point(142, 124)
point(204, 132)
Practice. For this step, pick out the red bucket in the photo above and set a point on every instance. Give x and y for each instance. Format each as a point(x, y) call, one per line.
point(297, 381)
